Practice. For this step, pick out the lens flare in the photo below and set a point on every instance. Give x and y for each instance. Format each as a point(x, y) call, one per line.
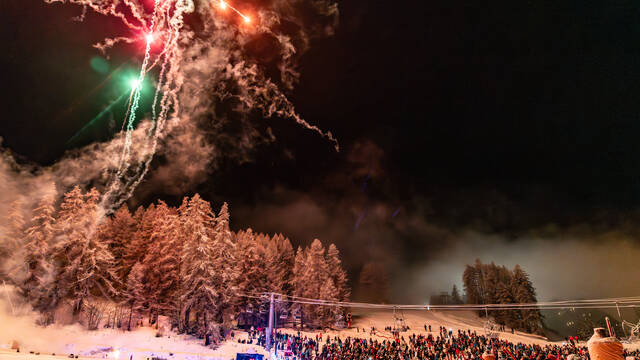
point(223, 5)
point(149, 38)
point(247, 19)
point(135, 84)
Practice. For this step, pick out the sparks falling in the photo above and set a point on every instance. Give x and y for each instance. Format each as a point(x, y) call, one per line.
point(163, 33)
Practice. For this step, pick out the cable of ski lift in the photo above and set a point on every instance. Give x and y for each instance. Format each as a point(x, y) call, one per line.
point(606, 303)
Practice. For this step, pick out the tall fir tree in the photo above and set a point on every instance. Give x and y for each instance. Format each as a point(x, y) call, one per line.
point(38, 239)
point(201, 273)
point(299, 281)
point(136, 249)
point(338, 274)
point(16, 225)
point(224, 252)
point(133, 295)
point(84, 265)
point(169, 262)
point(121, 230)
point(279, 259)
point(471, 288)
point(506, 317)
point(524, 292)
point(253, 277)
point(316, 277)
point(489, 283)
point(158, 275)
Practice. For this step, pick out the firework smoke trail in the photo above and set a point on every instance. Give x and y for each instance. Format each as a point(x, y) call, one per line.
point(166, 102)
point(126, 150)
point(264, 94)
point(114, 196)
point(165, 23)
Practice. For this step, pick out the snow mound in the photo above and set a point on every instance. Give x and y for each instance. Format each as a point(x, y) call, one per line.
point(141, 343)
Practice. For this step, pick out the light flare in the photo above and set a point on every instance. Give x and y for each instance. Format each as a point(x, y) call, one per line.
point(224, 5)
point(135, 84)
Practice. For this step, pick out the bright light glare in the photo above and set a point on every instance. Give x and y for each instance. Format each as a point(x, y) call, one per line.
point(115, 354)
point(247, 19)
point(223, 5)
point(135, 84)
point(149, 38)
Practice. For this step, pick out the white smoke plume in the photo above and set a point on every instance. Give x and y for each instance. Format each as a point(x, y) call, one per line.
point(211, 80)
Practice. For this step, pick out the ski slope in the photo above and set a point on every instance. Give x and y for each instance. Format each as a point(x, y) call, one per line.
point(142, 343)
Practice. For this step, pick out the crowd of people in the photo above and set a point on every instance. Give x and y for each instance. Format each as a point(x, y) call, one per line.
point(445, 345)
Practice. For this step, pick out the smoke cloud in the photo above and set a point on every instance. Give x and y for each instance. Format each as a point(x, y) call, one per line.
point(424, 256)
point(561, 266)
point(223, 88)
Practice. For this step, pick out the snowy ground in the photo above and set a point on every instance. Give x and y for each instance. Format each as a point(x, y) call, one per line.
point(108, 343)
point(459, 320)
point(142, 343)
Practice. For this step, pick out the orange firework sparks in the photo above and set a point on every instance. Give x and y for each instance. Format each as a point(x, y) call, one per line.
point(224, 5)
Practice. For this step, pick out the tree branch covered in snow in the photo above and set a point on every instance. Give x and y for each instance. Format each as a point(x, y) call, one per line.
point(184, 263)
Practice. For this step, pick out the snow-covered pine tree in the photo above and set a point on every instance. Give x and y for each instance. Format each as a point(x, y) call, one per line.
point(121, 230)
point(338, 274)
point(202, 271)
point(281, 255)
point(315, 276)
point(84, 265)
point(328, 315)
point(338, 278)
point(163, 262)
point(299, 281)
point(133, 294)
point(268, 251)
point(253, 276)
point(136, 249)
point(224, 252)
point(16, 226)
point(38, 238)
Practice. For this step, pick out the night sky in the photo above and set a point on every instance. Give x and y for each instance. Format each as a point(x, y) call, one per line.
point(508, 119)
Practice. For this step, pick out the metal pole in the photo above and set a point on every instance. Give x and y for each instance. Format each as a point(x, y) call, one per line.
point(270, 328)
point(275, 327)
point(621, 320)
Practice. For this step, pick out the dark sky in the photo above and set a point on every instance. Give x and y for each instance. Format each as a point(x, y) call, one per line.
point(501, 117)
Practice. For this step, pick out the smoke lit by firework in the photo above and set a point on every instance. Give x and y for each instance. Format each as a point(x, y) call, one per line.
point(182, 60)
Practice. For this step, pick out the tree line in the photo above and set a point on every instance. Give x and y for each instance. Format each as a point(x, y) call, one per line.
point(493, 284)
point(180, 262)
